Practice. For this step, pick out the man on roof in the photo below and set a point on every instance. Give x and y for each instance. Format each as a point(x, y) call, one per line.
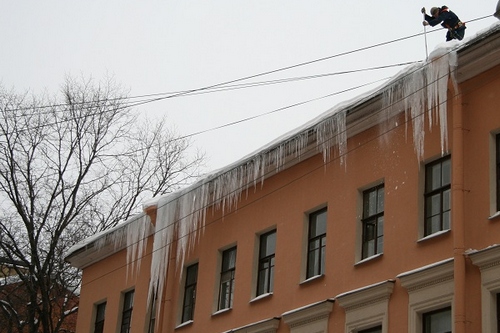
point(448, 19)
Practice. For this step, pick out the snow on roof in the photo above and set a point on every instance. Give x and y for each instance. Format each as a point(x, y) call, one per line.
point(426, 267)
point(421, 86)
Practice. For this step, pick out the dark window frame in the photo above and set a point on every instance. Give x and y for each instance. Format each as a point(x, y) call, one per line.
point(128, 307)
point(189, 300)
point(316, 245)
point(498, 312)
point(442, 193)
point(426, 317)
point(497, 149)
point(227, 277)
point(375, 329)
point(265, 271)
point(373, 221)
point(100, 316)
point(152, 315)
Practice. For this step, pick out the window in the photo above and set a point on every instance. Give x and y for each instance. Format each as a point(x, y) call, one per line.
point(437, 196)
point(265, 277)
point(377, 329)
point(99, 318)
point(128, 302)
point(316, 244)
point(373, 221)
point(228, 269)
point(438, 321)
point(498, 312)
point(430, 288)
point(498, 170)
point(190, 292)
point(152, 315)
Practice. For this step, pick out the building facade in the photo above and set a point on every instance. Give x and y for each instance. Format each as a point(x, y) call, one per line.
point(382, 215)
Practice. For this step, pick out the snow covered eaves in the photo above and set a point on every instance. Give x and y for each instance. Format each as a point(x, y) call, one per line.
point(485, 258)
point(479, 53)
point(357, 114)
point(129, 234)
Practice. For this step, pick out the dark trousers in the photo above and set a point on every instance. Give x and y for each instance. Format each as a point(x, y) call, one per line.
point(455, 34)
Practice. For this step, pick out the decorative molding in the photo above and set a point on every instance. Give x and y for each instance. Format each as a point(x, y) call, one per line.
point(366, 296)
point(427, 276)
point(486, 258)
point(308, 314)
point(264, 326)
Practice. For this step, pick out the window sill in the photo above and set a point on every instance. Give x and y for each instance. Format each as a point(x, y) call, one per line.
point(216, 313)
point(494, 216)
point(258, 298)
point(434, 235)
point(184, 324)
point(313, 278)
point(373, 257)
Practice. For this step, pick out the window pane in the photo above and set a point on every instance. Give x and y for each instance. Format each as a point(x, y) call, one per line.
point(226, 288)
point(229, 259)
point(435, 177)
point(190, 292)
point(446, 172)
point(446, 200)
point(437, 321)
point(267, 244)
point(380, 200)
point(313, 261)
point(377, 329)
point(99, 320)
point(318, 224)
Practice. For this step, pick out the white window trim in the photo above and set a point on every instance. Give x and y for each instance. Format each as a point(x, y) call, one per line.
point(430, 288)
point(488, 261)
point(367, 307)
point(310, 318)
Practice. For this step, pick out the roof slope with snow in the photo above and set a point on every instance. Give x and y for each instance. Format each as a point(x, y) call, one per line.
point(421, 86)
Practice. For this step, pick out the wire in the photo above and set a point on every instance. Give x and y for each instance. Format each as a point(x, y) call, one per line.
point(297, 178)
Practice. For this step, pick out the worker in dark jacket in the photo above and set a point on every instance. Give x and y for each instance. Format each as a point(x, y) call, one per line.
point(448, 19)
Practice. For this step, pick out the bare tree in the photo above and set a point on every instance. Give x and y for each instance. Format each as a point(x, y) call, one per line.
point(68, 169)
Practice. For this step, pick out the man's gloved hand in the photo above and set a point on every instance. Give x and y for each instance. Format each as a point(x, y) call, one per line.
point(423, 10)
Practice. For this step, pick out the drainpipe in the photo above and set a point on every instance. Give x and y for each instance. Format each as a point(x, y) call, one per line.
point(457, 209)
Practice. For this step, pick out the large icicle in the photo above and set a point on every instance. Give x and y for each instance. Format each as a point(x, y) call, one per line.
point(422, 91)
point(132, 234)
point(181, 216)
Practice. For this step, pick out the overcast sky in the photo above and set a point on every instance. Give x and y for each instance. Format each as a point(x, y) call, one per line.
point(159, 47)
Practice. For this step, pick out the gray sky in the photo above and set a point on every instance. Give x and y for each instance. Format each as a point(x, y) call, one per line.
point(154, 47)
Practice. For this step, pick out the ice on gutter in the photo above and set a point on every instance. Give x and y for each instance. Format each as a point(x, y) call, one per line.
point(131, 234)
point(419, 90)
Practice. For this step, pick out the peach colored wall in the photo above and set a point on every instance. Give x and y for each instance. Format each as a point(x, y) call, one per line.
point(283, 202)
point(106, 281)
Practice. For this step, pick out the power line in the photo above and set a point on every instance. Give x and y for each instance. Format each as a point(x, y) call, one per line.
point(301, 176)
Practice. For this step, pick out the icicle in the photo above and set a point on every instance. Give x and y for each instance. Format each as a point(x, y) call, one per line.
point(426, 83)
